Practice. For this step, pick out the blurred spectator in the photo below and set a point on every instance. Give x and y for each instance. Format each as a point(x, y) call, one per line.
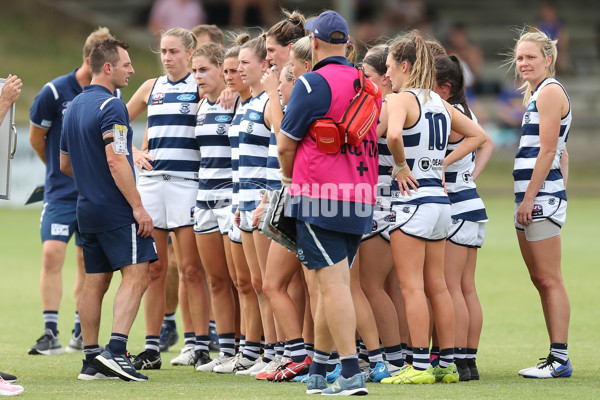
point(510, 110)
point(369, 29)
point(469, 54)
point(555, 28)
point(238, 10)
point(404, 15)
point(208, 33)
point(167, 14)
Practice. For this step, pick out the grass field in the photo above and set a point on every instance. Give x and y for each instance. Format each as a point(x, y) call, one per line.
point(513, 336)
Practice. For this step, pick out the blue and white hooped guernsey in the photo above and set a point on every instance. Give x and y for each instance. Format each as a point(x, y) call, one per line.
point(234, 141)
point(172, 110)
point(529, 148)
point(273, 167)
point(425, 148)
point(253, 151)
point(462, 191)
point(214, 177)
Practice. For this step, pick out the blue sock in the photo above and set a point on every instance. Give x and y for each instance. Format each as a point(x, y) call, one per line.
point(77, 330)
point(319, 364)
point(91, 352)
point(51, 321)
point(169, 320)
point(350, 366)
point(118, 343)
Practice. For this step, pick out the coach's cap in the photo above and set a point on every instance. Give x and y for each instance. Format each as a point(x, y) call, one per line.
point(327, 23)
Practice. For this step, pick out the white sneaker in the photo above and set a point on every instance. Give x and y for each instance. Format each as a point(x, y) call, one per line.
point(187, 357)
point(549, 368)
point(392, 369)
point(8, 389)
point(245, 366)
point(227, 367)
point(220, 359)
point(270, 366)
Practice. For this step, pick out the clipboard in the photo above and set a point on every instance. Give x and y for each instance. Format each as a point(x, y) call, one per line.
point(8, 147)
point(36, 194)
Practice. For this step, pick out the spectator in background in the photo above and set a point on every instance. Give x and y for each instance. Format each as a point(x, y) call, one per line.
point(208, 33)
point(238, 12)
point(510, 110)
point(10, 93)
point(167, 14)
point(554, 27)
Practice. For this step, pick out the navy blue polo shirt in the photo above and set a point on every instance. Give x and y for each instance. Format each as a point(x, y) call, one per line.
point(46, 113)
point(100, 204)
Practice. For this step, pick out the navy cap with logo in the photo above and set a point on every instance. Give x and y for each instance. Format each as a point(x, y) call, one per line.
point(327, 23)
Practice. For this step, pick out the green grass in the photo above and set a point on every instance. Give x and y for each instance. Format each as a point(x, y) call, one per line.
point(513, 334)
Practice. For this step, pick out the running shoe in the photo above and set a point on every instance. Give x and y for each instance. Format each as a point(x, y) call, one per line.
point(464, 373)
point(227, 368)
point(353, 386)
point(245, 366)
point(202, 358)
point(392, 369)
point(333, 375)
point(291, 369)
point(363, 364)
point(186, 357)
point(446, 375)
point(550, 367)
point(378, 373)
point(8, 389)
point(147, 359)
point(315, 384)
point(410, 375)
point(168, 336)
point(90, 372)
point(118, 364)
point(220, 359)
point(473, 369)
point(75, 344)
point(269, 370)
point(8, 377)
point(214, 339)
point(47, 344)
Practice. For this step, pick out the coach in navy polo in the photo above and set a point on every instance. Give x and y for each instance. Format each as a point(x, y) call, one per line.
point(115, 228)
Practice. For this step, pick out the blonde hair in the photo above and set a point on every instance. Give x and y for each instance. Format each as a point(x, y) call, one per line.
point(413, 49)
point(258, 44)
point(302, 49)
point(546, 45)
point(187, 37)
point(213, 52)
point(436, 48)
point(213, 31)
point(351, 52)
point(287, 74)
point(237, 40)
point(97, 36)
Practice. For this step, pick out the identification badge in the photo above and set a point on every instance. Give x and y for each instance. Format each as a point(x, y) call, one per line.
point(120, 142)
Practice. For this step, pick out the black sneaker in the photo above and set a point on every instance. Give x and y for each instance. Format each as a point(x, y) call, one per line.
point(473, 369)
point(202, 357)
point(147, 359)
point(464, 373)
point(47, 344)
point(8, 377)
point(168, 336)
point(90, 372)
point(118, 364)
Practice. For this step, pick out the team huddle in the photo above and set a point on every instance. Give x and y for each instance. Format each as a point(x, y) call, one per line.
point(380, 285)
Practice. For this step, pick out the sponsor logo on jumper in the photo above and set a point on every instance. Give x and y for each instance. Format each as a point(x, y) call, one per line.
point(186, 97)
point(157, 98)
point(184, 108)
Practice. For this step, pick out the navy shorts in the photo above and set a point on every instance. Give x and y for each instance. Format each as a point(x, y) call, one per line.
point(59, 222)
point(108, 251)
point(318, 247)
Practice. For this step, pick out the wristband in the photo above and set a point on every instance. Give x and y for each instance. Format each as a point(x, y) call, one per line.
point(397, 168)
point(285, 181)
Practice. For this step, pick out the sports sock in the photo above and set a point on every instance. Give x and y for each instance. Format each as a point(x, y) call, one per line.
point(460, 353)
point(420, 358)
point(91, 352)
point(297, 350)
point(310, 349)
point(252, 350)
point(363, 354)
point(350, 365)
point(118, 343)
point(189, 339)
point(446, 357)
point(286, 350)
point(242, 345)
point(319, 364)
point(202, 343)
point(268, 352)
point(471, 354)
point(227, 344)
point(393, 355)
point(152, 344)
point(334, 360)
point(77, 329)
point(279, 347)
point(51, 321)
point(409, 355)
point(375, 357)
point(560, 352)
point(169, 320)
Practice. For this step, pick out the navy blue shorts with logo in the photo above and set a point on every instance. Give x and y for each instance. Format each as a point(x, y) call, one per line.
point(108, 251)
point(59, 222)
point(318, 247)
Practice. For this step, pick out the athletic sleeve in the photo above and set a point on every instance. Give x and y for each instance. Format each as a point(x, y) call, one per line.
point(63, 146)
point(113, 112)
point(43, 109)
point(310, 100)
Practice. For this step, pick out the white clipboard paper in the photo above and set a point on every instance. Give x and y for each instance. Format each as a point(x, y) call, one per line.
point(8, 147)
